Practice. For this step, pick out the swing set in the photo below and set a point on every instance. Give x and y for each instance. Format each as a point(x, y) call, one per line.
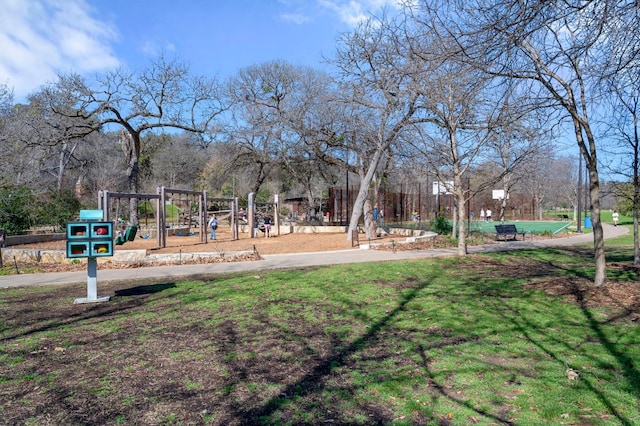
point(187, 208)
point(226, 209)
point(256, 211)
point(111, 205)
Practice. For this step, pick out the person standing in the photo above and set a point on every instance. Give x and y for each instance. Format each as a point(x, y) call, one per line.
point(482, 215)
point(213, 225)
point(615, 218)
point(267, 226)
point(488, 215)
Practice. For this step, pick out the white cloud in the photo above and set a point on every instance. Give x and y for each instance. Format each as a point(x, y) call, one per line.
point(352, 12)
point(295, 18)
point(153, 49)
point(42, 37)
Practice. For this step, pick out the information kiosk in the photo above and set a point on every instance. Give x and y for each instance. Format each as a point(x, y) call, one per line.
point(91, 238)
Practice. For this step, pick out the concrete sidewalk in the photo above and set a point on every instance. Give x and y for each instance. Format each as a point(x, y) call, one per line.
point(287, 261)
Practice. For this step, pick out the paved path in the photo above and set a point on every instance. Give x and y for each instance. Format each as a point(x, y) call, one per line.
point(284, 261)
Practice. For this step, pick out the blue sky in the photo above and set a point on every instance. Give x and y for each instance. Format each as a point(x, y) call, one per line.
point(39, 38)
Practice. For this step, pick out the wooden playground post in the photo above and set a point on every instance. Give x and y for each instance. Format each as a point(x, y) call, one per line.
point(276, 214)
point(251, 213)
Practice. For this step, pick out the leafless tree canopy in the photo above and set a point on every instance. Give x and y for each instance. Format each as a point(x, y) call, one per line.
point(470, 92)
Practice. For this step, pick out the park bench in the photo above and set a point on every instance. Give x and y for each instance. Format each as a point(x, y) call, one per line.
point(563, 216)
point(508, 232)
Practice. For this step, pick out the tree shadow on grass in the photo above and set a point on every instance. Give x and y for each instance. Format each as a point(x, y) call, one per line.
point(73, 315)
point(573, 278)
point(524, 326)
point(630, 371)
point(315, 380)
point(144, 289)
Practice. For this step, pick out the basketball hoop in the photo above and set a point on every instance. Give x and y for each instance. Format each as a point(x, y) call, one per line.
point(498, 194)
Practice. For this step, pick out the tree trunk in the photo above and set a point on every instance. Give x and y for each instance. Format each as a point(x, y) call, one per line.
point(598, 233)
point(636, 245)
point(65, 156)
point(591, 161)
point(454, 221)
point(363, 192)
point(538, 211)
point(503, 207)
point(636, 195)
point(61, 165)
point(369, 223)
point(131, 147)
point(462, 213)
point(134, 187)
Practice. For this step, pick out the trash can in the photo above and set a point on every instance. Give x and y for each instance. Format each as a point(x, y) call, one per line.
point(587, 222)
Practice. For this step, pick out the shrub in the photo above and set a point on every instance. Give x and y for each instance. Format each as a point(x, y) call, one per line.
point(57, 210)
point(15, 212)
point(441, 225)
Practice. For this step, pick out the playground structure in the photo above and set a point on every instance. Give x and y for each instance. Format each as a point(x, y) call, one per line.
point(256, 211)
point(191, 209)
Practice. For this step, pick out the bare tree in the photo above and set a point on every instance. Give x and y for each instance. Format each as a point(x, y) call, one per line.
point(376, 80)
point(14, 161)
point(175, 161)
point(52, 139)
point(461, 124)
point(555, 44)
point(517, 144)
point(464, 114)
point(546, 178)
point(625, 99)
point(6, 100)
point(20, 167)
point(275, 105)
point(104, 169)
point(164, 95)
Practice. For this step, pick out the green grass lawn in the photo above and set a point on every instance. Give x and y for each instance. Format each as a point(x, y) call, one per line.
point(455, 341)
point(532, 227)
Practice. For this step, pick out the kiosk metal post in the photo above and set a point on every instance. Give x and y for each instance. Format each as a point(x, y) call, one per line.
point(92, 283)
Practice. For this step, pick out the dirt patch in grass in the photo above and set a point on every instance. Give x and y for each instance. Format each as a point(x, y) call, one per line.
point(620, 297)
point(192, 368)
